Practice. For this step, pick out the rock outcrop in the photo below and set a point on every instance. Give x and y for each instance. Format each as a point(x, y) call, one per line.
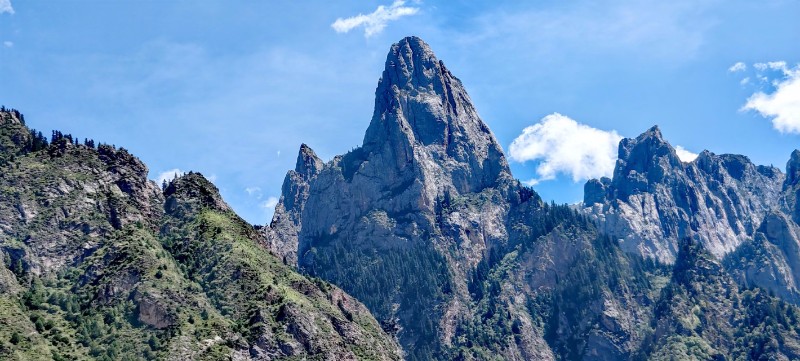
point(282, 233)
point(654, 199)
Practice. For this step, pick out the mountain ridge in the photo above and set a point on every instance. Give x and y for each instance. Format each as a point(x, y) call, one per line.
point(390, 211)
point(101, 263)
point(418, 245)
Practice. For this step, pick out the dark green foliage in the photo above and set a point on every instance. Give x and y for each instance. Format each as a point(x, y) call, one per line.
point(602, 268)
point(37, 141)
point(702, 314)
point(415, 277)
point(16, 338)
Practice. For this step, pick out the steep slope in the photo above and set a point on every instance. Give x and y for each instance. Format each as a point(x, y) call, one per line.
point(277, 311)
point(423, 223)
point(654, 200)
point(771, 258)
point(94, 268)
point(704, 315)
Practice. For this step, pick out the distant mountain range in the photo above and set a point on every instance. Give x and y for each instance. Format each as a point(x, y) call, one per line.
point(417, 245)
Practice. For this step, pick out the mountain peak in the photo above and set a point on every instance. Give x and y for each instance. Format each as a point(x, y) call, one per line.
point(11, 116)
point(419, 103)
point(419, 97)
point(410, 63)
point(793, 168)
point(308, 163)
point(192, 192)
point(647, 153)
point(653, 132)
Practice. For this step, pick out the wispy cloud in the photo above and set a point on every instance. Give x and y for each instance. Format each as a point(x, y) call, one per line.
point(8, 44)
point(5, 7)
point(782, 104)
point(270, 203)
point(684, 154)
point(563, 146)
point(772, 65)
point(254, 192)
point(169, 175)
point(376, 21)
point(737, 67)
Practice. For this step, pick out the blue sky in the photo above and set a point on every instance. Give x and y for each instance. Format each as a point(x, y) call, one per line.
point(232, 88)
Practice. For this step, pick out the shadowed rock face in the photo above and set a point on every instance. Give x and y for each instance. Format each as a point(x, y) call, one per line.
point(654, 199)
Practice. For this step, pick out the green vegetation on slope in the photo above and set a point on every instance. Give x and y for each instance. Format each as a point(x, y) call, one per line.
point(94, 268)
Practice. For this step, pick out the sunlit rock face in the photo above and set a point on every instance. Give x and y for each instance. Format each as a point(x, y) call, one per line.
point(655, 199)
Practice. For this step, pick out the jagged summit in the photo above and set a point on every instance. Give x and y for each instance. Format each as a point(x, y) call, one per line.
point(411, 64)
point(654, 200)
point(793, 168)
point(420, 104)
point(425, 152)
point(649, 158)
point(308, 163)
point(654, 131)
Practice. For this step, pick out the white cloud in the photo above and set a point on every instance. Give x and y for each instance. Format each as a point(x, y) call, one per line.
point(169, 175)
point(270, 203)
point(8, 44)
point(5, 7)
point(737, 67)
point(254, 192)
point(562, 145)
point(684, 154)
point(744, 81)
point(782, 106)
point(375, 22)
point(773, 65)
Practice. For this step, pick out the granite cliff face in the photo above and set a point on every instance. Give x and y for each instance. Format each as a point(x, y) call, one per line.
point(744, 214)
point(282, 233)
point(654, 200)
point(100, 263)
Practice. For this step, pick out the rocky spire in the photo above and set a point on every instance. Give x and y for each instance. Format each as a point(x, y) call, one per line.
point(308, 163)
point(418, 102)
point(791, 186)
point(793, 168)
point(642, 161)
